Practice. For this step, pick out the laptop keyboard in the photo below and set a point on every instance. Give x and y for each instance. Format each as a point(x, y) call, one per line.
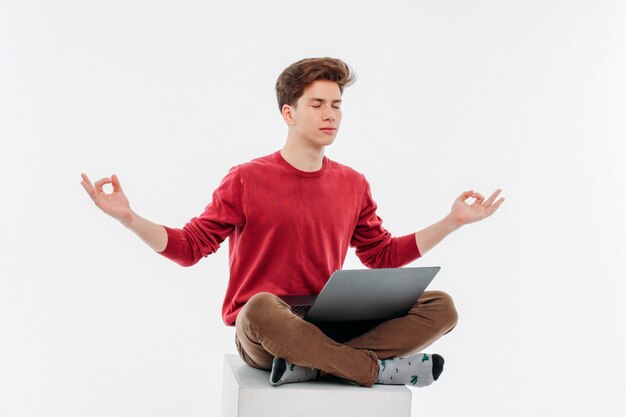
point(300, 310)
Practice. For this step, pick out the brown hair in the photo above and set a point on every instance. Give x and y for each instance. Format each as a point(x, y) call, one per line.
point(298, 76)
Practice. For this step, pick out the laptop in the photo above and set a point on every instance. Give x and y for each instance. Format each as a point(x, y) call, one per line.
point(364, 294)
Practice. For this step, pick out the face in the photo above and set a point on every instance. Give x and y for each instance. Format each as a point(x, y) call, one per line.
point(316, 117)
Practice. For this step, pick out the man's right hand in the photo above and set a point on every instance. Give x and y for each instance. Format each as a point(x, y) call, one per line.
point(114, 204)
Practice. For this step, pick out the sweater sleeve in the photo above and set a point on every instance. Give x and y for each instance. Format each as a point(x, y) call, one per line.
point(375, 246)
point(203, 235)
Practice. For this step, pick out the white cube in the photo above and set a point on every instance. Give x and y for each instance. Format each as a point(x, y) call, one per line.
point(246, 392)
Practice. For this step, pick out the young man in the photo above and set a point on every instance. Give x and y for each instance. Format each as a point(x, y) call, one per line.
point(291, 217)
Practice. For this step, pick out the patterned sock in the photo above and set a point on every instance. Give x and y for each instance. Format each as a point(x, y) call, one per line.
point(284, 372)
point(418, 370)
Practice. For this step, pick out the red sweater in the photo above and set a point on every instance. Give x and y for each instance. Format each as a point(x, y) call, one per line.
point(289, 229)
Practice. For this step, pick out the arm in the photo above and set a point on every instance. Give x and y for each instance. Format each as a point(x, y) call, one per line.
point(460, 215)
point(117, 206)
point(375, 246)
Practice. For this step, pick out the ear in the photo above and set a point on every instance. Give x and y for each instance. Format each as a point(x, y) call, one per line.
point(287, 111)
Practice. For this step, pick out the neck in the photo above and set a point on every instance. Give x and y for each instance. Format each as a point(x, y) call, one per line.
point(305, 158)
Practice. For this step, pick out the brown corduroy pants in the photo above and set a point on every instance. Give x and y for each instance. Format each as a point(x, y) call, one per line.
point(266, 327)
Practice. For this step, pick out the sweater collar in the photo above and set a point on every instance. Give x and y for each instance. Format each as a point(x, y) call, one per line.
point(290, 168)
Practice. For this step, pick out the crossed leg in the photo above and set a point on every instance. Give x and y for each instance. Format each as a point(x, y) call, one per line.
point(266, 328)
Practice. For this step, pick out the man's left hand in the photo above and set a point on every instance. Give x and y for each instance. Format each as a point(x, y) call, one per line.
point(463, 213)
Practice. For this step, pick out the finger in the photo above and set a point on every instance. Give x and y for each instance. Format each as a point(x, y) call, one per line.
point(116, 183)
point(86, 184)
point(495, 206)
point(479, 198)
point(465, 195)
point(88, 189)
point(86, 179)
point(492, 197)
point(100, 183)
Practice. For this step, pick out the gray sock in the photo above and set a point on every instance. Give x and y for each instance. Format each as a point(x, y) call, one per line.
point(418, 370)
point(284, 372)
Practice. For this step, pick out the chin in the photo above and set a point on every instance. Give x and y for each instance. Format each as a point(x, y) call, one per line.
point(329, 141)
point(321, 142)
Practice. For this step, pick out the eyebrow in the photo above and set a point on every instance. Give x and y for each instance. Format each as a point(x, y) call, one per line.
point(323, 101)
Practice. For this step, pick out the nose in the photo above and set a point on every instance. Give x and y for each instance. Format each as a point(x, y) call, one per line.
point(329, 114)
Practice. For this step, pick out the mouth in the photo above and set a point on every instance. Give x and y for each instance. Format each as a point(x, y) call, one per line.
point(328, 129)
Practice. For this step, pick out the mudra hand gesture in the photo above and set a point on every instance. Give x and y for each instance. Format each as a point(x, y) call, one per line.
point(114, 204)
point(464, 213)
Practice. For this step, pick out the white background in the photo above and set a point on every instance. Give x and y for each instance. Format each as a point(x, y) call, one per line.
point(528, 96)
